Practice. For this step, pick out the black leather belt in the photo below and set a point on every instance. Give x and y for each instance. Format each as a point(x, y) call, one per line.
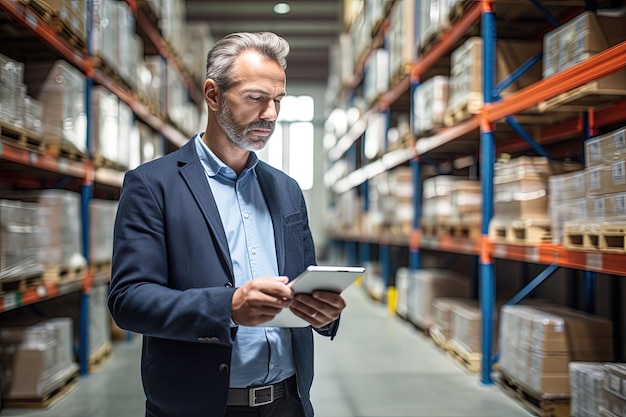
point(256, 396)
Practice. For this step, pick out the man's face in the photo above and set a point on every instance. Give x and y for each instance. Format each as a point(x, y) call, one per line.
point(248, 109)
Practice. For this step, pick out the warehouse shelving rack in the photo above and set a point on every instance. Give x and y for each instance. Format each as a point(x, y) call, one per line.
point(596, 67)
point(83, 174)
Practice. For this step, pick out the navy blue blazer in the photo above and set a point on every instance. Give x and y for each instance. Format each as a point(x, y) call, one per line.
point(172, 280)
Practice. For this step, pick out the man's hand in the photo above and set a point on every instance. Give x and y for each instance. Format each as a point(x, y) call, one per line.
point(319, 309)
point(259, 300)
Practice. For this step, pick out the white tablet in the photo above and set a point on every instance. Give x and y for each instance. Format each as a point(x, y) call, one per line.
point(325, 278)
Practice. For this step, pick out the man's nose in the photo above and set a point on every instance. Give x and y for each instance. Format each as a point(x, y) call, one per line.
point(270, 112)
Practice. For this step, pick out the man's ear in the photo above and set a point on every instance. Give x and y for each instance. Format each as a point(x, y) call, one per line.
point(212, 94)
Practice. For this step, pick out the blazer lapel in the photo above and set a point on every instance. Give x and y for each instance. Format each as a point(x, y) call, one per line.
point(273, 199)
point(193, 174)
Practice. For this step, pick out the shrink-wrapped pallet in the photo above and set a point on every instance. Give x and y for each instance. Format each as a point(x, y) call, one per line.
point(38, 359)
point(59, 224)
point(19, 249)
point(442, 308)
point(538, 342)
point(425, 285)
point(586, 381)
point(431, 101)
point(11, 82)
point(567, 201)
point(102, 219)
point(403, 35)
point(61, 89)
point(466, 74)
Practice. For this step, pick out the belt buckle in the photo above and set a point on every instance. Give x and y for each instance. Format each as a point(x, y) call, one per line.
point(261, 396)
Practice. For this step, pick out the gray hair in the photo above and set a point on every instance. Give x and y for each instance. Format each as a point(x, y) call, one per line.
point(221, 57)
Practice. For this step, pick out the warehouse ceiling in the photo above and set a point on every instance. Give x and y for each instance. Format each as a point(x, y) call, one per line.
point(310, 27)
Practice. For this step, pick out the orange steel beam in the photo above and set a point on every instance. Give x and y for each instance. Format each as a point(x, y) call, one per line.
point(441, 48)
point(425, 145)
point(596, 67)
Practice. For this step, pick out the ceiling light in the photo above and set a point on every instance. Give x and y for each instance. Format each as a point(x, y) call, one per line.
point(282, 8)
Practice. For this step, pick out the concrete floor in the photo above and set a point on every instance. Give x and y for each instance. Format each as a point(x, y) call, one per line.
point(378, 365)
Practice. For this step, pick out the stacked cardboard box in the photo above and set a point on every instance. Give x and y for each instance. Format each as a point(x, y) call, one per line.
point(376, 76)
point(613, 392)
point(59, 226)
point(16, 107)
point(466, 74)
point(37, 359)
point(450, 200)
point(430, 102)
point(73, 15)
point(19, 254)
point(435, 18)
point(426, 285)
point(102, 218)
point(442, 315)
point(60, 87)
point(586, 381)
point(466, 328)
point(538, 342)
point(403, 36)
point(567, 201)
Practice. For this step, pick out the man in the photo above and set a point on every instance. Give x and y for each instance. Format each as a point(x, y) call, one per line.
point(206, 239)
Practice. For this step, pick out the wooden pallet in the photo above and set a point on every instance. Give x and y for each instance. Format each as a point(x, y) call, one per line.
point(519, 233)
point(63, 149)
point(47, 400)
point(591, 236)
point(62, 273)
point(468, 360)
point(21, 284)
point(590, 95)
point(100, 161)
point(100, 357)
point(541, 405)
point(612, 238)
point(436, 334)
point(54, 19)
point(464, 111)
point(20, 137)
point(108, 69)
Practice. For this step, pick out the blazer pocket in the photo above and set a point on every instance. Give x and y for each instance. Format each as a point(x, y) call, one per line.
point(293, 218)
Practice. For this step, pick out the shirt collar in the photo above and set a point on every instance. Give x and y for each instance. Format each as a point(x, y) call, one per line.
point(214, 166)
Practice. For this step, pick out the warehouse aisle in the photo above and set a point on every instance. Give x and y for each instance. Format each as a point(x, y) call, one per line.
point(378, 365)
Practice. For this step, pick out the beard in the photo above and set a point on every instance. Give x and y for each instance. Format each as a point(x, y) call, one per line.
point(239, 135)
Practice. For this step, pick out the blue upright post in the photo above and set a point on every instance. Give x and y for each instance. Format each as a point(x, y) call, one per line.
point(86, 192)
point(589, 290)
point(414, 241)
point(487, 161)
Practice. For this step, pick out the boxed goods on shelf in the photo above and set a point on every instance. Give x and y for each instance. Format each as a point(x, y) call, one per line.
point(442, 307)
point(586, 380)
point(37, 359)
point(172, 24)
point(59, 225)
point(466, 329)
point(376, 76)
point(198, 38)
point(102, 218)
point(61, 89)
point(435, 17)
point(105, 126)
point(567, 201)
point(538, 342)
point(403, 36)
point(12, 89)
point(613, 390)
point(73, 16)
point(151, 75)
point(451, 202)
point(113, 38)
point(425, 285)
point(151, 144)
point(574, 42)
point(466, 74)
point(430, 100)
point(605, 148)
point(521, 199)
point(99, 324)
point(19, 254)
point(607, 179)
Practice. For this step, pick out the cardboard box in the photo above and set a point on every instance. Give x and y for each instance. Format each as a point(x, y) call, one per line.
point(550, 383)
point(430, 103)
point(403, 35)
point(607, 178)
point(604, 149)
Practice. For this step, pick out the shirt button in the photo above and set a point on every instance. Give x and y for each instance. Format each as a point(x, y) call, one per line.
point(253, 251)
point(246, 215)
point(271, 366)
point(224, 368)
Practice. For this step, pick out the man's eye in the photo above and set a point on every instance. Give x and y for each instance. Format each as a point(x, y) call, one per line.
point(255, 98)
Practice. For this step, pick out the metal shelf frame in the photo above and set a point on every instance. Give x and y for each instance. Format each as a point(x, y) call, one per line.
point(554, 256)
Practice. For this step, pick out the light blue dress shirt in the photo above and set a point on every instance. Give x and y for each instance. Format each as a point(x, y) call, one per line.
point(261, 355)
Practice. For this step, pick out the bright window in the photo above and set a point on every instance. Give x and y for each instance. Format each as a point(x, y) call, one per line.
point(291, 147)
